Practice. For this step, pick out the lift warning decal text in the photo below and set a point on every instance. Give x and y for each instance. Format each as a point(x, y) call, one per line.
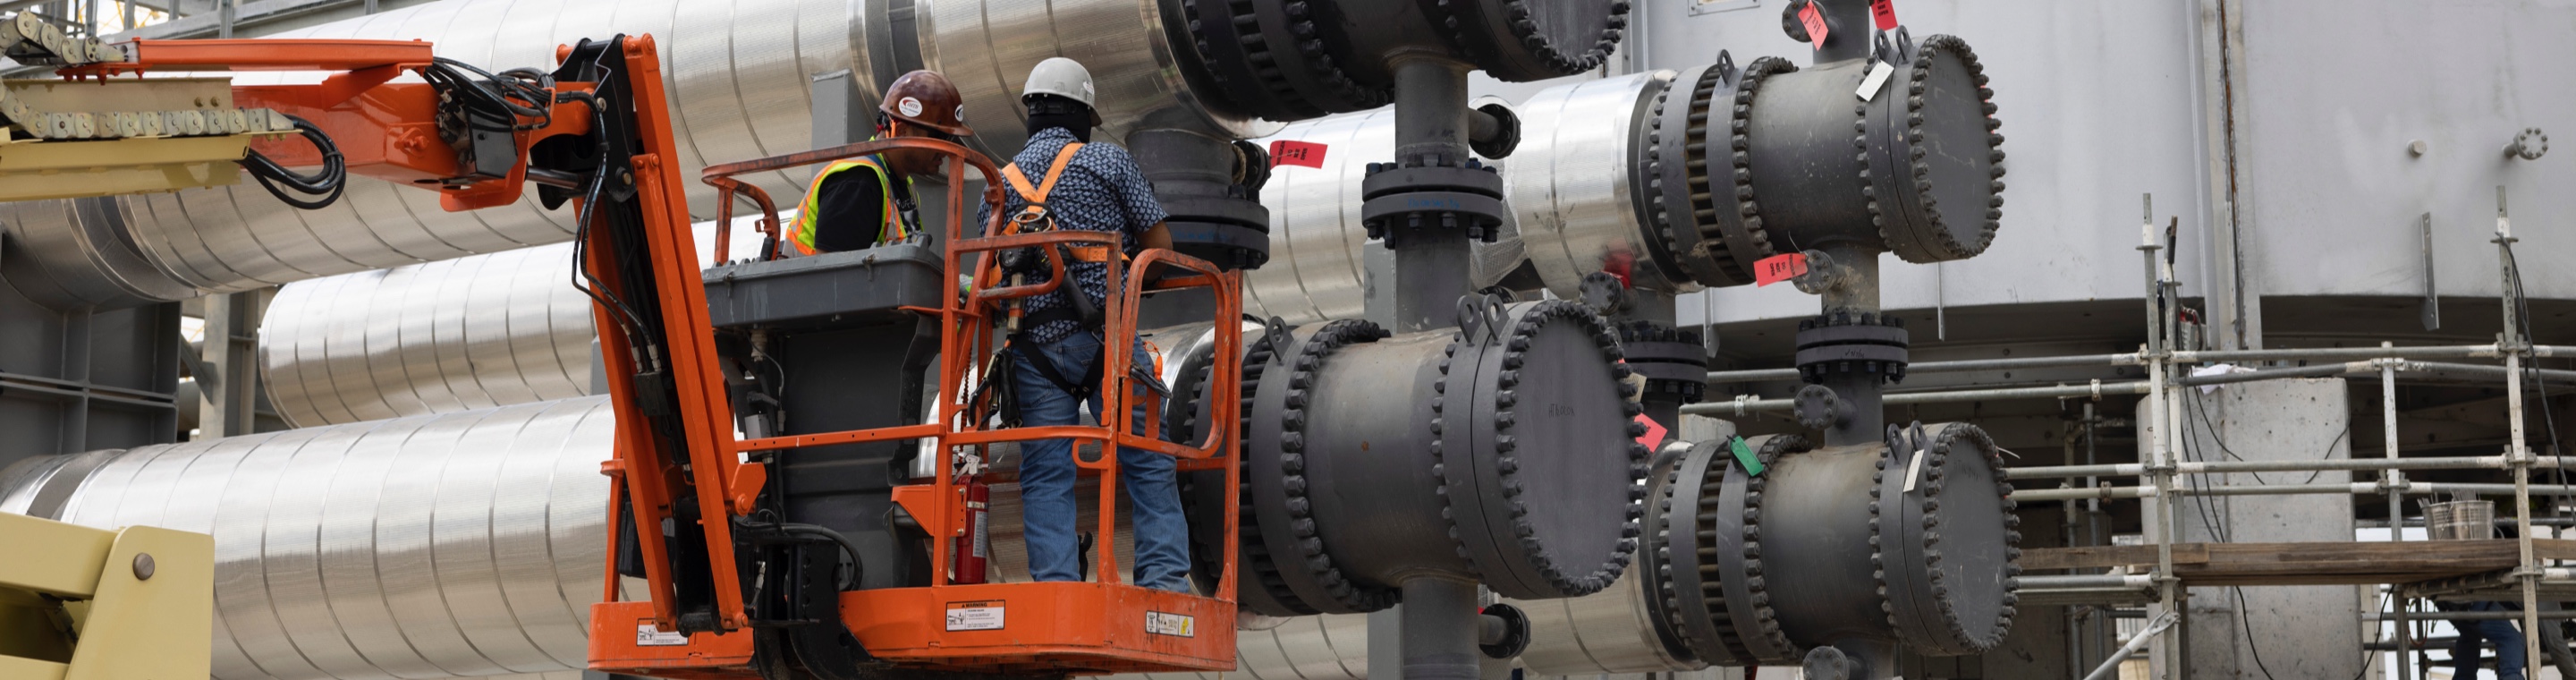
point(984, 615)
point(1164, 623)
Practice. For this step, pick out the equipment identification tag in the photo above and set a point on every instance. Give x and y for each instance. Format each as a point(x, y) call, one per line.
point(1875, 81)
point(1914, 471)
point(647, 636)
point(984, 615)
point(1178, 625)
point(1814, 21)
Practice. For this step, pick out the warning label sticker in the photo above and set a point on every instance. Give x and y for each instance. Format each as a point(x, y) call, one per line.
point(1164, 623)
point(983, 615)
point(647, 636)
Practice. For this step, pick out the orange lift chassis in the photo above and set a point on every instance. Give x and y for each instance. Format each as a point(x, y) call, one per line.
point(699, 518)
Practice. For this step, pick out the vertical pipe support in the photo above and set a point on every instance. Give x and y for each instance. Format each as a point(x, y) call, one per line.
point(1440, 627)
point(2160, 463)
point(2517, 453)
point(1433, 262)
point(2394, 481)
point(1851, 286)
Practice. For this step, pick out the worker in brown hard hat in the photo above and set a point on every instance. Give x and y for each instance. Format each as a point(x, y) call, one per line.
point(861, 202)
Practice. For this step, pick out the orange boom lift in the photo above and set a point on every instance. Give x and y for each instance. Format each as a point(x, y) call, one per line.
point(595, 134)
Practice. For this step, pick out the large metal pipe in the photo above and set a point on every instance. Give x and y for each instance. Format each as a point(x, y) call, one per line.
point(316, 529)
point(1573, 201)
point(738, 76)
point(987, 47)
point(473, 332)
point(1317, 244)
point(462, 544)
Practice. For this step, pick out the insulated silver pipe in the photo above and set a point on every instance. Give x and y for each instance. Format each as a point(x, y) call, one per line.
point(473, 332)
point(1317, 244)
point(1611, 631)
point(1573, 186)
point(738, 77)
point(457, 545)
point(472, 543)
point(1570, 184)
point(986, 47)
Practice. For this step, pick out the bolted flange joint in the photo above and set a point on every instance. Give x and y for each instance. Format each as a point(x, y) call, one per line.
point(1844, 342)
point(1416, 203)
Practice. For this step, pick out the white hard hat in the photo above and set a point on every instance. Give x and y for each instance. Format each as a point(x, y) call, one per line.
point(1063, 78)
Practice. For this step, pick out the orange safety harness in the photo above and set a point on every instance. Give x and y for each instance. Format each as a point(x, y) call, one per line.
point(1035, 216)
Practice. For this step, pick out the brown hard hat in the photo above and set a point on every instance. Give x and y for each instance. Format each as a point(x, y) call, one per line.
point(926, 98)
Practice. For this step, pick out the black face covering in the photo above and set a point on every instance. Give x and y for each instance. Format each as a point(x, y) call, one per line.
point(1049, 111)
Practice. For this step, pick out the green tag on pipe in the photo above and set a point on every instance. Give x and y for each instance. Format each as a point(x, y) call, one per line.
point(1744, 455)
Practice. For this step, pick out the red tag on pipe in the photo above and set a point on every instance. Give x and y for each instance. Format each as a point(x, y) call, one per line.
point(1654, 432)
point(1814, 20)
point(1778, 268)
point(1885, 12)
point(1285, 152)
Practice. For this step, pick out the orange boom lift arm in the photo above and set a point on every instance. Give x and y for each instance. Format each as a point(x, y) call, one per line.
point(595, 133)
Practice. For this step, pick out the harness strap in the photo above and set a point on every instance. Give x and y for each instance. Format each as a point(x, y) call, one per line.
point(1038, 196)
point(1046, 369)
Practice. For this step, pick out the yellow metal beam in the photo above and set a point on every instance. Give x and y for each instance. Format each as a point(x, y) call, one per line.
point(153, 618)
point(15, 668)
point(35, 170)
point(58, 559)
point(142, 599)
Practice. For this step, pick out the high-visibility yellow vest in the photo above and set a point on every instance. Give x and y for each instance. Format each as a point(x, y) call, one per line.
point(807, 214)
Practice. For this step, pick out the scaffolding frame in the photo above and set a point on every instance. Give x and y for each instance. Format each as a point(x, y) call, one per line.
point(2159, 416)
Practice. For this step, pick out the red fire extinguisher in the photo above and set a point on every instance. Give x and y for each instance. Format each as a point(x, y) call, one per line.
point(974, 539)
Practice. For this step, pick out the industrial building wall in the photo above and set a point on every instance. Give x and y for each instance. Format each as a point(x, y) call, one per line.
point(79, 380)
point(2104, 101)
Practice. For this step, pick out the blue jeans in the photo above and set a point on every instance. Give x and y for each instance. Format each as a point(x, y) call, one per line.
point(1047, 474)
point(2507, 638)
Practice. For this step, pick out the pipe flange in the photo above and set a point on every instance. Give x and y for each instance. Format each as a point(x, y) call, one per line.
point(1516, 632)
point(1313, 73)
point(1507, 132)
point(1467, 197)
point(1740, 224)
point(1439, 448)
point(1677, 160)
point(1309, 545)
point(1237, 40)
point(1690, 589)
point(1737, 573)
point(1526, 40)
point(1932, 207)
point(1672, 360)
point(1663, 596)
point(1951, 602)
point(1262, 587)
point(1519, 552)
point(1843, 342)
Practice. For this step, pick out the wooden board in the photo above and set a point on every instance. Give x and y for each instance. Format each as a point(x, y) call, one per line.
point(2279, 564)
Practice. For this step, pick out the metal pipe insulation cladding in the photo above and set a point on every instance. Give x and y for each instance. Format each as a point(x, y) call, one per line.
point(1134, 50)
point(739, 74)
point(461, 544)
point(473, 332)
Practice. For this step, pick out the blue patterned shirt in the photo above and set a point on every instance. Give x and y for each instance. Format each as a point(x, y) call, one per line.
point(1102, 190)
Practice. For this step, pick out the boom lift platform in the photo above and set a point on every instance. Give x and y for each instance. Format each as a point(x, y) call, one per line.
point(809, 550)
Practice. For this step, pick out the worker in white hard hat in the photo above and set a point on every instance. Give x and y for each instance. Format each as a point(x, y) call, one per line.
point(1056, 358)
